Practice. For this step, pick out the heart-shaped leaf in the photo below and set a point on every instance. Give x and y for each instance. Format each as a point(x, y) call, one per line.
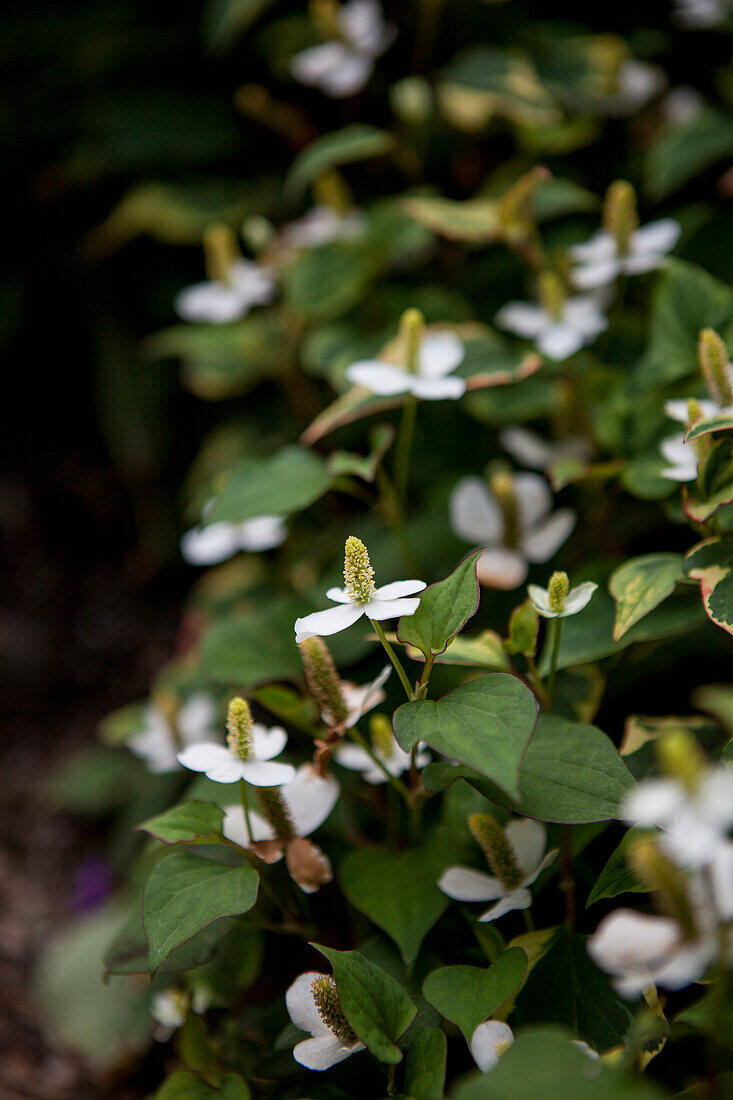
point(711, 563)
point(376, 1006)
point(486, 724)
point(184, 894)
point(467, 995)
point(191, 823)
point(444, 609)
point(640, 585)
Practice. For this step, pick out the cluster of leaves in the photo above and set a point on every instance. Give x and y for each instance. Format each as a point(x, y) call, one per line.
point(475, 159)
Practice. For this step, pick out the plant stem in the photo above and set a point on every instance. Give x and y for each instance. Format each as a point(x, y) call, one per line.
point(555, 634)
point(398, 785)
point(391, 1072)
point(379, 631)
point(245, 807)
point(402, 451)
point(568, 879)
point(536, 681)
point(528, 922)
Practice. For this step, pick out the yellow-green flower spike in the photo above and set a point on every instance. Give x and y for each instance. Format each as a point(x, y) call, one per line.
point(221, 251)
point(323, 681)
point(715, 366)
point(331, 189)
point(275, 810)
point(412, 326)
point(326, 998)
point(551, 293)
point(557, 590)
point(239, 728)
point(501, 483)
point(358, 572)
point(620, 217)
point(497, 849)
point(680, 757)
point(382, 737)
point(659, 875)
point(703, 444)
point(325, 17)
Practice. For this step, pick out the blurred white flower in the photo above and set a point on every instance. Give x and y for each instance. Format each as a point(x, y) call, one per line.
point(220, 541)
point(342, 67)
point(526, 531)
point(169, 1008)
point(439, 354)
point(226, 765)
point(360, 699)
point(699, 14)
point(638, 83)
point(526, 839)
point(309, 799)
point(681, 456)
point(599, 261)
point(695, 820)
point(682, 105)
point(219, 301)
point(529, 449)
point(577, 322)
point(314, 1006)
point(489, 1041)
point(321, 225)
point(395, 759)
point(158, 742)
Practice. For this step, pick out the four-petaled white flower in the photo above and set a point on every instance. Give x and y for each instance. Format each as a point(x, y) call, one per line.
point(576, 599)
point(578, 321)
point(313, 1005)
point(220, 541)
point(529, 449)
point(477, 516)
point(343, 66)
point(158, 742)
point(599, 261)
point(309, 799)
point(394, 758)
point(225, 765)
point(438, 355)
point(388, 602)
point(489, 1041)
point(219, 301)
point(321, 225)
point(527, 840)
point(694, 821)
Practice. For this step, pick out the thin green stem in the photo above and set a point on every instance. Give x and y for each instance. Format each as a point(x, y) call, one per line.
point(391, 1075)
point(402, 451)
point(536, 681)
point(394, 782)
point(245, 807)
point(379, 631)
point(555, 634)
point(528, 922)
point(567, 884)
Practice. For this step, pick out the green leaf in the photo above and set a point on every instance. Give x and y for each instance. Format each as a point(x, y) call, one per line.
point(356, 142)
point(523, 627)
point(711, 563)
point(255, 649)
point(616, 877)
point(486, 724)
point(714, 485)
point(128, 953)
point(225, 21)
point(376, 1006)
point(473, 220)
point(723, 422)
point(543, 1062)
point(680, 153)
point(567, 987)
point(444, 609)
point(511, 80)
point(640, 585)
point(323, 283)
point(425, 1069)
point(183, 1085)
point(412, 904)
point(467, 995)
point(286, 482)
point(484, 650)
point(191, 823)
point(571, 773)
point(347, 464)
point(184, 894)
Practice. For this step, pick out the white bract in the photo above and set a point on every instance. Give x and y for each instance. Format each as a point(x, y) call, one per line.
point(309, 799)
point(225, 765)
point(695, 821)
point(527, 840)
point(321, 225)
point(327, 1046)
point(681, 456)
point(576, 599)
point(529, 449)
point(220, 541)
point(477, 517)
point(599, 262)
point(489, 1041)
point(360, 699)
point(217, 301)
point(159, 742)
point(395, 760)
point(637, 83)
point(439, 354)
point(700, 14)
point(343, 66)
point(576, 323)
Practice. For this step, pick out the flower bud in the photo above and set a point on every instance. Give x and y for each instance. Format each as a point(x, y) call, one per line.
point(557, 590)
point(412, 100)
point(412, 325)
point(680, 757)
point(326, 998)
point(358, 572)
point(620, 217)
point(309, 867)
point(715, 366)
point(382, 737)
point(551, 294)
point(239, 728)
point(659, 875)
point(497, 849)
point(323, 681)
point(221, 251)
point(501, 483)
point(275, 810)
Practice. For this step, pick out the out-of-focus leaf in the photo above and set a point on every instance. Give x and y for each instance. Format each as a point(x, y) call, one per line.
point(183, 1085)
point(323, 283)
point(509, 77)
point(225, 21)
point(617, 877)
point(473, 220)
point(358, 141)
point(286, 482)
point(680, 153)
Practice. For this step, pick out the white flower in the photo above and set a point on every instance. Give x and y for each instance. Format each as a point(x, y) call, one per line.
point(360, 699)
point(694, 822)
point(699, 14)
point(489, 1041)
point(576, 599)
point(395, 760)
point(169, 1008)
point(439, 354)
point(225, 765)
point(578, 322)
point(387, 602)
point(321, 225)
point(682, 458)
point(599, 261)
point(220, 541)
point(342, 67)
point(638, 82)
point(531, 450)
point(527, 839)
point(682, 105)
point(158, 743)
point(476, 516)
point(217, 302)
point(326, 1047)
point(309, 799)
